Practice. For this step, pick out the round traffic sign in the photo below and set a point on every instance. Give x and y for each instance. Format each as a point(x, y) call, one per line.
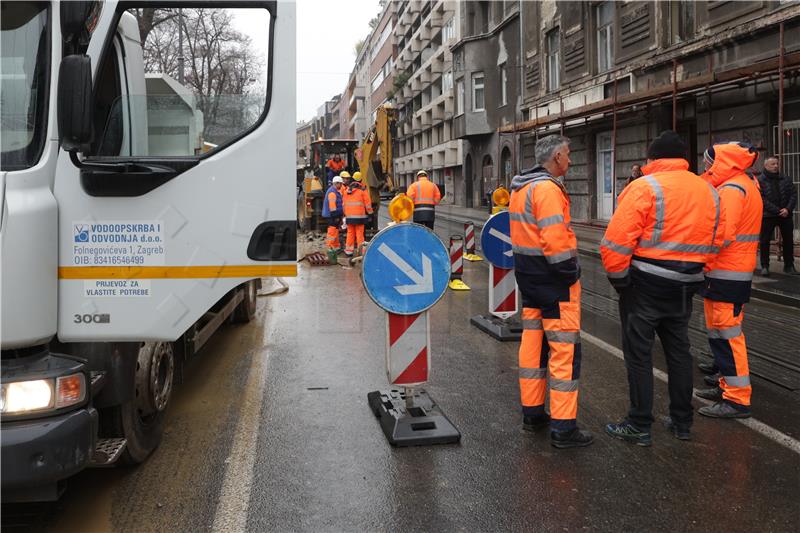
point(496, 240)
point(406, 269)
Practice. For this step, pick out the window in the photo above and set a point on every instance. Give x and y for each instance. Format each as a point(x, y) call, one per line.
point(503, 85)
point(605, 36)
point(385, 34)
point(553, 60)
point(681, 21)
point(382, 74)
point(459, 97)
point(449, 30)
point(447, 81)
point(477, 92)
point(23, 86)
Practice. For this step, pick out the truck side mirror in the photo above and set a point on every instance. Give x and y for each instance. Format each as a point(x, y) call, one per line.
point(74, 16)
point(75, 103)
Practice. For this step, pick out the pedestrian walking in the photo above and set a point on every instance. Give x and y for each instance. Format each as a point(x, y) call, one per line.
point(547, 272)
point(357, 213)
point(658, 241)
point(426, 196)
point(333, 210)
point(728, 277)
point(779, 195)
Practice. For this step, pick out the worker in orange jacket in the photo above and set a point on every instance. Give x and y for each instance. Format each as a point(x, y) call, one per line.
point(426, 196)
point(547, 273)
point(666, 227)
point(729, 275)
point(333, 210)
point(334, 167)
point(357, 213)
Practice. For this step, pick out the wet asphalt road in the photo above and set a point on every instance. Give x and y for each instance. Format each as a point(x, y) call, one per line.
point(319, 460)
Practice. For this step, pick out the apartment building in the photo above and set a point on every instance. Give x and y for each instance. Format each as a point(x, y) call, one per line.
point(423, 93)
point(612, 75)
point(326, 124)
point(304, 136)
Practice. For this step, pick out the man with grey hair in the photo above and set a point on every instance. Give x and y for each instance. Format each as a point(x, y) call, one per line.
point(547, 272)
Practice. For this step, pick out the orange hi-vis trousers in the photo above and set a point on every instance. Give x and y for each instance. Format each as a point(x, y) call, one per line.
point(551, 345)
point(724, 324)
point(355, 237)
point(332, 240)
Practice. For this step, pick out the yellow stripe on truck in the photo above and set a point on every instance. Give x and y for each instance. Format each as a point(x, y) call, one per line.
point(177, 272)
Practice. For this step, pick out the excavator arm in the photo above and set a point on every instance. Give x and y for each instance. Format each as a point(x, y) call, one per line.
point(375, 155)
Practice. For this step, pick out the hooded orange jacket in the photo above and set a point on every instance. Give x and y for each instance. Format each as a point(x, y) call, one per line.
point(666, 227)
point(729, 274)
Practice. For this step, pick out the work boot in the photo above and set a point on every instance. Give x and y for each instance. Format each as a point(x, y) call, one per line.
point(725, 409)
point(765, 272)
point(534, 423)
point(714, 394)
point(712, 380)
point(572, 438)
point(790, 270)
point(708, 368)
point(628, 432)
point(678, 431)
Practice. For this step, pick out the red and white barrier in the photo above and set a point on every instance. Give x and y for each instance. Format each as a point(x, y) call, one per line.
point(502, 292)
point(469, 237)
point(408, 355)
point(456, 257)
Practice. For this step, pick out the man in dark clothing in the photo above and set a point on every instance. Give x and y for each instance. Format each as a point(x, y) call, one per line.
point(779, 195)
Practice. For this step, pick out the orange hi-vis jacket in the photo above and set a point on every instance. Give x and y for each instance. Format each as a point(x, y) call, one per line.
point(730, 273)
point(426, 196)
point(667, 226)
point(545, 248)
point(334, 166)
point(357, 204)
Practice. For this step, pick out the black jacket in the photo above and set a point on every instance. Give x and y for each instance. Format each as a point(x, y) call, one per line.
point(787, 193)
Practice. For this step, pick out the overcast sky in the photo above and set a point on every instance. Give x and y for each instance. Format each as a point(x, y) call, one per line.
point(327, 31)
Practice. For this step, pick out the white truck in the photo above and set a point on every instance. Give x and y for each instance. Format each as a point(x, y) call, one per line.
point(117, 264)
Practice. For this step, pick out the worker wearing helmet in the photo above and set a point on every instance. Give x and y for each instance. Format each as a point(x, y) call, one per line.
point(426, 196)
point(667, 227)
point(333, 210)
point(729, 275)
point(357, 212)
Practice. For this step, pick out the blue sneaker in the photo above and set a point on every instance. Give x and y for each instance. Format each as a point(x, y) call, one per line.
point(628, 432)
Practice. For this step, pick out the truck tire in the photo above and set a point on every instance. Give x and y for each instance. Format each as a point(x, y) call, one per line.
point(141, 420)
point(246, 309)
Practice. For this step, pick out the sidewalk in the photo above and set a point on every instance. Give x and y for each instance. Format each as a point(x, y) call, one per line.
point(778, 288)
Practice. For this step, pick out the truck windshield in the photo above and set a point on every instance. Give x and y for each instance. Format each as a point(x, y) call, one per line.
point(24, 74)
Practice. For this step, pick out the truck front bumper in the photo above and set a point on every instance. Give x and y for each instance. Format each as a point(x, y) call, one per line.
point(37, 454)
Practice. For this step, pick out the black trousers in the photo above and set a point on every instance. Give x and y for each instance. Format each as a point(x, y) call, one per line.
point(428, 223)
point(786, 225)
point(643, 315)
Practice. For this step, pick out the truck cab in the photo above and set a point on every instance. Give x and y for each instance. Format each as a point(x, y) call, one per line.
point(138, 216)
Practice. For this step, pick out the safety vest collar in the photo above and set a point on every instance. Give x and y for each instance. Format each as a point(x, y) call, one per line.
point(665, 165)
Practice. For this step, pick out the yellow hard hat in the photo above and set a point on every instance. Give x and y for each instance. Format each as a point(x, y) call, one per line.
point(345, 174)
point(357, 175)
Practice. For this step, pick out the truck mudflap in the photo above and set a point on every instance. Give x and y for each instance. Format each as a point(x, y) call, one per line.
point(38, 454)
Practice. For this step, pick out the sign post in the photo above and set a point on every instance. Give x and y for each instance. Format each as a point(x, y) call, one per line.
point(496, 245)
point(406, 270)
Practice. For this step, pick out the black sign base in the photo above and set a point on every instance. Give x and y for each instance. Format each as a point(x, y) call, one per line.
point(419, 425)
point(502, 330)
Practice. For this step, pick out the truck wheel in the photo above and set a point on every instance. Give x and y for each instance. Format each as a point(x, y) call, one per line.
point(141, 420)
point(246, 309)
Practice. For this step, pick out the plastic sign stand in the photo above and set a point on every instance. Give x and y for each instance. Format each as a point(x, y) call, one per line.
point(496, 244)
point(405, 272)
point(469, 243)
point(456, 282)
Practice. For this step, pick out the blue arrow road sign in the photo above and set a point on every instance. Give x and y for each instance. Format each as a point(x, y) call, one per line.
point(496, 240)
point(406, 269)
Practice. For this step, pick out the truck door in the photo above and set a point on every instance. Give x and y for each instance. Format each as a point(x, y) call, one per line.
point(186, 190)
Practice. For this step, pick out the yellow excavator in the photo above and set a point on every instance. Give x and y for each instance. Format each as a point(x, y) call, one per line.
point(374, 159)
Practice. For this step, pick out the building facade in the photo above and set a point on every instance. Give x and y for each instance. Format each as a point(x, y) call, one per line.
point(304, 134)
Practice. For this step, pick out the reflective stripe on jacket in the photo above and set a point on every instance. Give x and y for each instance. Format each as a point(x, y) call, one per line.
point(545, 248)
point(426, 196)
point(666, 227)
point(332, 207)
point(357, 204)
point(730, 273)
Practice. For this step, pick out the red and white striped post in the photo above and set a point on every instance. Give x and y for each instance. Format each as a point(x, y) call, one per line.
point(502, 292)
point(456, 257)
point(408, 356)
point(469, 237)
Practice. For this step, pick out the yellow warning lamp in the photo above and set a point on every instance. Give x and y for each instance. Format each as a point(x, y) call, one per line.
point(500, 198)
point(401, 208)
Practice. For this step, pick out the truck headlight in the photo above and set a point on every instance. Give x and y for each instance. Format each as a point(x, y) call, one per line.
point(20, 397)
point(26, 396)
